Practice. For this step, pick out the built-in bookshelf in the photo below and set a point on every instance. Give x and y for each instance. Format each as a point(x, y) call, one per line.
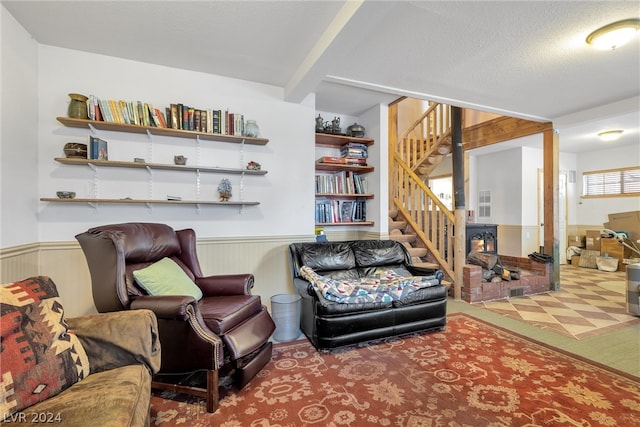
point(95, 125)
point(341, 186)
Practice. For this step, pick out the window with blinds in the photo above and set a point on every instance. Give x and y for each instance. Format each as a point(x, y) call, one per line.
point(612, 182)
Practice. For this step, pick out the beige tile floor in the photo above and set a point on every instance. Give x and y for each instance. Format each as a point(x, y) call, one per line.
point(616, 346)
point(590, 302)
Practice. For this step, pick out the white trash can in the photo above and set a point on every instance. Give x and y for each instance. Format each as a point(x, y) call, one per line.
point(633, 289)
point(285, 311)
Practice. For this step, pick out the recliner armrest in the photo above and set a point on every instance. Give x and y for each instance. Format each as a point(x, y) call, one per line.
point(118, 339)
point(164, 306)
point(226, 284)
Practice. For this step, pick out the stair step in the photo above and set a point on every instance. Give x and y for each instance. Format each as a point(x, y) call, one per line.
point(404, 238)
point(434, 158)
point(426, 265)
point(444, 149)
point(397, 225)
point(393, 213)
point(418, 252)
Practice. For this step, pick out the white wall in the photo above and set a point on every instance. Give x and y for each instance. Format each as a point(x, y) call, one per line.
point(594, 212)
point(501, 174)
point(285, 193)
point(38, 237)
point(18, 133)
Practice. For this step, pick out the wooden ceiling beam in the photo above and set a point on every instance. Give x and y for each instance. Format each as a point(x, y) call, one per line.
point(499, 130)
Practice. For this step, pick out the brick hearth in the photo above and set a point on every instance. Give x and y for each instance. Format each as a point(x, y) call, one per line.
point(535, 278)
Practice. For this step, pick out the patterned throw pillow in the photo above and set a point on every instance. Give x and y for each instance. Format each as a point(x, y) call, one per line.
point(40, 357)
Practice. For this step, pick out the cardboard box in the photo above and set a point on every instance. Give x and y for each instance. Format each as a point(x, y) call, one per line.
point(614, 249)
point(592, 241)
point(577, 241)
point(626, 221)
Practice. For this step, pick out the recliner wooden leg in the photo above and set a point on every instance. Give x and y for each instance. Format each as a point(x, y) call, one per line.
point(213, 393)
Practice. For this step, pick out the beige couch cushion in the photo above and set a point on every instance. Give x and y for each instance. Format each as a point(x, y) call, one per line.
point(118, 397)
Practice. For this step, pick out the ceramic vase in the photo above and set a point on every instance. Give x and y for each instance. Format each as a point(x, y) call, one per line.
point(77, 106)
point(251, 129)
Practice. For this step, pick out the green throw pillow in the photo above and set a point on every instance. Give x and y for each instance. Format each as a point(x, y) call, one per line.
point(165, 277)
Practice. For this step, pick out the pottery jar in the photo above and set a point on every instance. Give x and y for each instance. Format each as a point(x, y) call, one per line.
point(251, 129)
point(77, 106)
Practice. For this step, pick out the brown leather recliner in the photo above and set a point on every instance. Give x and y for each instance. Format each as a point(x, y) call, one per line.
point(227, 325)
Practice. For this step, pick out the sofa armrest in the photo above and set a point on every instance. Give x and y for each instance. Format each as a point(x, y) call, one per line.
point(171, 307)
point(425, 271)
point(226, 284)
point(118, 339)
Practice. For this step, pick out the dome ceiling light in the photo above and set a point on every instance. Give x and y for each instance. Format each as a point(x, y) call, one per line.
point(614, 35)
point(610, 135)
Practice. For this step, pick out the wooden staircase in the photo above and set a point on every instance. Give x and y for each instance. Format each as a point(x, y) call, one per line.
point(417, 218)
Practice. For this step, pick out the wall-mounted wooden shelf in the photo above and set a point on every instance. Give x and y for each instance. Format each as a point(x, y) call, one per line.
point(149, 201)
point(337, 167)
point(331, 140)
point(178, 133)
point(120, 164)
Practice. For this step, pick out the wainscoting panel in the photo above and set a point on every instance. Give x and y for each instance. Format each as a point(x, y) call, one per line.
point(19, 262)
point(266, 257)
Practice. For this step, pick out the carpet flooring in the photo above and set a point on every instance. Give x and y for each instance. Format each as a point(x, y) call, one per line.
point(471, 374)
point(590, 302)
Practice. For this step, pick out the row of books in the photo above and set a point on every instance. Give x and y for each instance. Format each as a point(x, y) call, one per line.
point(345, 182)
point(176, 116)
point(125, 112)
point(209, 121)
point(337, 211)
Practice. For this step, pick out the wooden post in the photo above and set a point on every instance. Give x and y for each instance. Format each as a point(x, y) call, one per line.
point(393, 142)
point(458, 199)
point(551, 151)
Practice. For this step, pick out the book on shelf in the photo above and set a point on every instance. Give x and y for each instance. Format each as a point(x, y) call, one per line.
point(355, 145)
point(124, 111)
point(342, 161)
point(160, 115)
point(98, 148)
point(174, 116)
point(357, 153)
point(346, 208)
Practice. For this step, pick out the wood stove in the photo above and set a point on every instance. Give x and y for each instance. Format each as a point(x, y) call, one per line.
point(482, 238)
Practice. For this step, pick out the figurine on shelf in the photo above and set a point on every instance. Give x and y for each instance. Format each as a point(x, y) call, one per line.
point(224, 190)
point(254, 166)
point(319, 124)
point(335, 126)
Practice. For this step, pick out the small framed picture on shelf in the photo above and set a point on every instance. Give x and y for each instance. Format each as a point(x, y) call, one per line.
point(98, 148)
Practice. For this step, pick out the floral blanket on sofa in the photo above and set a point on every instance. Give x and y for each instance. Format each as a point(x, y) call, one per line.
point(384, 286)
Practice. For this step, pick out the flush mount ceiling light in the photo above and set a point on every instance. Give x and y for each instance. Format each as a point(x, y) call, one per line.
point(610, 135)
point(614, 35)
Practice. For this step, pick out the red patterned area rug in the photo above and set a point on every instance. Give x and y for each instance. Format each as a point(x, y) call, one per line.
point(471, 374)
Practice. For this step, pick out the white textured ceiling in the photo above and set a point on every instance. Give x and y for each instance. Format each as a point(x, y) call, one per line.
point(525, 58)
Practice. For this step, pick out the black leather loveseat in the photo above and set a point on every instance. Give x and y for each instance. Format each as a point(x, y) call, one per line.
point(330, 324)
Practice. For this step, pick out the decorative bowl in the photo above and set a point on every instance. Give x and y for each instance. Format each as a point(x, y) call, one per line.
point(356, 130)
point(75, 149)
point(66, 194)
